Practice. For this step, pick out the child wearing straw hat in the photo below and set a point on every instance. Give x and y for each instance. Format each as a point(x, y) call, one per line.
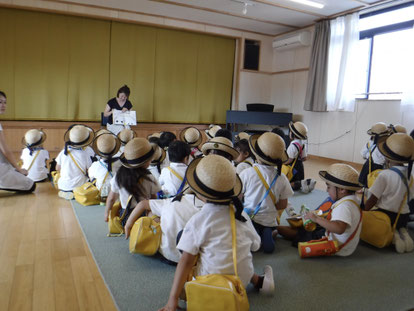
point(73, 161)
point(34, 157)
point(397, 128)
point(133, 177)
point(172, 178)
point(393, 188)
point(192, 136)
point(212, 130)
point(125, 136)
point(157, 161)
point(370, 152)
point(245, 159)
point(105, 145)
point(345, 223)
point(260, 203)
point(208, 233)
point(297, 152)
point(220, 146)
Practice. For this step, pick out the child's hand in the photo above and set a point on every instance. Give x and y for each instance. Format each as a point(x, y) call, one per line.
point(311, 215)
point(106, 216)
point(127, 230)
point(171, 305)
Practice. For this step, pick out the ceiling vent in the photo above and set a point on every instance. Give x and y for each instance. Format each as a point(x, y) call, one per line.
point(298, 39)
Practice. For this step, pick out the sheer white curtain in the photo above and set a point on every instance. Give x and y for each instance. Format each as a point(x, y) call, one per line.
point(407, 100)
point(341, 88)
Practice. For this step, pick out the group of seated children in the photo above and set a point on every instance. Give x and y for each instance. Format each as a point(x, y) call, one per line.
point(192, 189)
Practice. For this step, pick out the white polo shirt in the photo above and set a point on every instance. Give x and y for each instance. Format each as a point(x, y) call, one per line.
point(292, 151)
point(70, 175)
point(247, 163)
point(377, 157)
point(150, 188)
point(254, 191)
point(174, 216)
point(208, 233)
point(168, 181)
point(350, 214)
point(390, 190)
point(98, 171)
point(38, 170)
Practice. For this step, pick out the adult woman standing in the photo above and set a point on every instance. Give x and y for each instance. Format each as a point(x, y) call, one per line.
point(12, 177)
point(120, 102)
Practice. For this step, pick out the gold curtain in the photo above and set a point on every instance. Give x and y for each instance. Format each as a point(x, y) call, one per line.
point(57, 67)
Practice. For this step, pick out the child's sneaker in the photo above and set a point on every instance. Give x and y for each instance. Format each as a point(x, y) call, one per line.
point(398, 242)
point(66, 195)
point(408, 241)
point(268, 286)
point(307, 185)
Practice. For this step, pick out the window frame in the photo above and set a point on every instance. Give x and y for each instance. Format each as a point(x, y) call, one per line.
point(371, 33)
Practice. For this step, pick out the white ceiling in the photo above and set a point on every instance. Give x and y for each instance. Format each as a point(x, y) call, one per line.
point(269, 17)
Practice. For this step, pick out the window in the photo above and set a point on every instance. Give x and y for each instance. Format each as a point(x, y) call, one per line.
point(251, 54)
point(386, 47)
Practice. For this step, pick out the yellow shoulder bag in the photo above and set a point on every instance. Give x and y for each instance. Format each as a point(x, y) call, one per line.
point(145, 236)
point(55, 178)
point(372, 175)
point(115, 222)
point(87, 194)
point(218, 292)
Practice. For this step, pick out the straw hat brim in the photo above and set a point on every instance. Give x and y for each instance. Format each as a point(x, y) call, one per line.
point(210, 145)
point(85, 143)
point(382, 147)
point(145, 159)
point(189, 174)
point(41, 141)
point(105, 155)
point(369, 132)
point(160, 159)
point(296, 132)
point(252, 142)
point(181, 136)
point(337, 182)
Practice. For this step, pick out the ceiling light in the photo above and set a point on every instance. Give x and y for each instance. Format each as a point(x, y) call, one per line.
point(244, 9)
point(310, 3)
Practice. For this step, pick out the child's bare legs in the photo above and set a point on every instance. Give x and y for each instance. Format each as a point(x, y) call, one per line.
point(265, 283)
point(287, 232)
point(112, 197)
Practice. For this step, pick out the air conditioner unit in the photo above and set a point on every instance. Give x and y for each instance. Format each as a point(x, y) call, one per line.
point(293, 41)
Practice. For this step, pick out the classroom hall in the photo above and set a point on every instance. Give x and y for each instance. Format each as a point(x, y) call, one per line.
point(188, 63)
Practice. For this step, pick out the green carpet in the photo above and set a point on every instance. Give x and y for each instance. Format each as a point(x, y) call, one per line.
point(370, 279)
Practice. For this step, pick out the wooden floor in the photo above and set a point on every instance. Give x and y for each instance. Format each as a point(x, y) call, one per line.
point(45, 263)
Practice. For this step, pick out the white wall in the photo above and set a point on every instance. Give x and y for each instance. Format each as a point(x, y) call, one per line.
point(338, 135)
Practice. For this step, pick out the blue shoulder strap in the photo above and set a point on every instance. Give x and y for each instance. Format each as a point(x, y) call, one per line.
point(182, 186)
point(404, 179)
point(248, 211)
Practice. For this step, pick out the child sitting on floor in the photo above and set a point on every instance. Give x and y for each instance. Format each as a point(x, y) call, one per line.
point(73, 161)
point(245, 158)
point(172, 179)
point(34, 157)
point(157, 162)
point(262, 204)
point(342, 182)
point(393, 188)
point(192, 136)
point(132, 178)
point(208, 233)
point(220, 146)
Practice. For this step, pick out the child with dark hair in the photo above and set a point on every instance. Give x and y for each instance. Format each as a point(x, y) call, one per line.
point(166, 138)
point(220, 146)
point(172, 178)
point(224, 133)
point(281, 133)
point(133, 177)
point(245, 158)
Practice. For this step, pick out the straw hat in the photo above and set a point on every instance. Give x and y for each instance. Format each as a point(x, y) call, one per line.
point(156, 134)
point(399, 147)
point(220, 143)
point(268, 147)
point(380, 129)
point(159, 154)
point(79, 135)
point(299, 129)
point(397, 128)
point(211, 132)
point(137, 152)
point(342, 176)
point(191, 136)
point(33, 138)
point(243, 135)
point(214, 178)
point(106, 145)
point(126, 135)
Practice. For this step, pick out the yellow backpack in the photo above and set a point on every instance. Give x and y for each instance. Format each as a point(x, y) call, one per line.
point(55, 178)
point(218, 292)
point(87, 194)
point(115, 226)
point(145, 236)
